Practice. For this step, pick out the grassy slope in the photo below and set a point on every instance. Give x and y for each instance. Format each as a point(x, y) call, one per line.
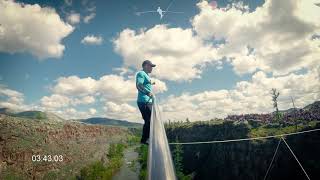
point(79, 144)
point(101, 170)
point(143, 159)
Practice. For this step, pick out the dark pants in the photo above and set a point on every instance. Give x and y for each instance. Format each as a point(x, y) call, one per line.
point(145, 110)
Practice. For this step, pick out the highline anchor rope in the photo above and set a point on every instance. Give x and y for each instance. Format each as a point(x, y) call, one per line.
point(274, 155)
point(257, 138)
point(295, 158)
point(244, 139)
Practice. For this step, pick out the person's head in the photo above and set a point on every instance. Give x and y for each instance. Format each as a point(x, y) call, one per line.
point(147, 66)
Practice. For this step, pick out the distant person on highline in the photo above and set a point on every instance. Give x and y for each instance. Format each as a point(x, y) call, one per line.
point(145, 97)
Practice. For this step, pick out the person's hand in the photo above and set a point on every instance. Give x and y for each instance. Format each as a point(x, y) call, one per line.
point(150, 94)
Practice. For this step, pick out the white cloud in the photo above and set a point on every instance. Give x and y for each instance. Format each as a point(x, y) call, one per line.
point(73, 85)
point(84, 100)
point(31, 28)
point(89, 17)
point(121, 111)
point(11, 99)
point(122, 71)
point(117, 88)
point(111, 87)
point(247, 97)
point(92, 111)
point(73, 113)
point(92, 40)
point(275, 37)
point(245, 64)
point(92, 8)
point(178, 53)
point(55, 101)
point(159, 86)
point(279, 33)
point(73, 18)
point(112, 90)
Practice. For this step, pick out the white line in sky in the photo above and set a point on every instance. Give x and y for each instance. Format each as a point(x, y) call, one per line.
point(159, 11)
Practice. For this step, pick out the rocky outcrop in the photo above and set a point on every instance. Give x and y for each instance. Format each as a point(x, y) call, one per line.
point(22, 139)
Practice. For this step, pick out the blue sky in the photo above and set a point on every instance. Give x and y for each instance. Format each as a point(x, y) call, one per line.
point(36, 77)
point(95, 61)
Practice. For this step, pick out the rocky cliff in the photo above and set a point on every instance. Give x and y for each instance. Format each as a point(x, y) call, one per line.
point(38, 149)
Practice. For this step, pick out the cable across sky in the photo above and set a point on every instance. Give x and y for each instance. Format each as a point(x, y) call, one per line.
point(160, 11)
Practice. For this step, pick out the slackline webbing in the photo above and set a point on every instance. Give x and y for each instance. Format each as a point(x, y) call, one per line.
point(160, 164)
point(295, 158)
point(257, 138)
point(274, 155)
point(244, 139)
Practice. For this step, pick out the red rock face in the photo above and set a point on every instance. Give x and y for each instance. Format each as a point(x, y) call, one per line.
point(79, 144)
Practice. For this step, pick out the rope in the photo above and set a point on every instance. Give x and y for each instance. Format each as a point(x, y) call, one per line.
point(295, 158)
point(274, 155)
point(244, 139)
point(168, 6)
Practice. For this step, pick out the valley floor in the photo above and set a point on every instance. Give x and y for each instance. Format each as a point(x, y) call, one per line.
point(130, 167)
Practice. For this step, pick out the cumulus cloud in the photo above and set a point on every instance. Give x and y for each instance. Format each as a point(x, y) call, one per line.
point(73, 85)
point(276, 37)
point(117, 88)
point(247, 97)
point(73, 113)
point(121, 111)
point(84, 100)
point(159, 86)
point(179, 54)
point(89, 17)
point(115, 92)
point(109, 87)
point(92, 40)
point(73, 18)
point(11, 99)
point(272, 42)
point(31, 28)
point(112, 87)
point(92, 111)
point(55, 101)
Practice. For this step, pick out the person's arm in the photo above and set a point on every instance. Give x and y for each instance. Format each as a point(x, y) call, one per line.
point(139, 84)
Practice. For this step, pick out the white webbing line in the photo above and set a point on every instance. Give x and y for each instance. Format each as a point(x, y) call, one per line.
point(274, 155)
point(244, 139)
point(295, 158)
point(263, 137)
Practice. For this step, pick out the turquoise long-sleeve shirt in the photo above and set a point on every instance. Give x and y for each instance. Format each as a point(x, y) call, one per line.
point(144, 87)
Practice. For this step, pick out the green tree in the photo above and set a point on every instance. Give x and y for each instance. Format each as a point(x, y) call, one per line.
point(97, 170)
point(177, 160)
